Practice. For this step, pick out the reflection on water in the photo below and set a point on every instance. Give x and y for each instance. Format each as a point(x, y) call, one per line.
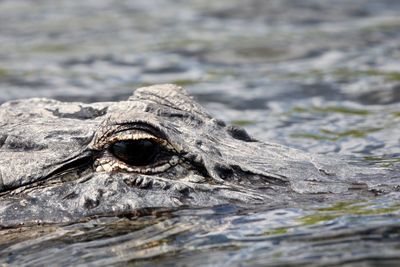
point(317, 75)
point(225, 235)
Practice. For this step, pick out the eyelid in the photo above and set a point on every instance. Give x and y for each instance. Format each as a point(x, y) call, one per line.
point(122, 130)
point(132, 135)
point(139, 135)
point(139, 126)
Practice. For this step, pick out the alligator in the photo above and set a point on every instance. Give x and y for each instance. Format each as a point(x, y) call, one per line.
point(62, 162)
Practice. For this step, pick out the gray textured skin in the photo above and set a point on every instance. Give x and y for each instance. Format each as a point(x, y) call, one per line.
point(49, 152)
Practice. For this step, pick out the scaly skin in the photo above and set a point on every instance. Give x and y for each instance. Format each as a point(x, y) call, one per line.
point(56, 164)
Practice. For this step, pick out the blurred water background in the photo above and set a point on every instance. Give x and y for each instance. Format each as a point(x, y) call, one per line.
point(322, 76)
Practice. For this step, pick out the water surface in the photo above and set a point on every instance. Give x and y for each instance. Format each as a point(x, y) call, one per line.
point(320, 76)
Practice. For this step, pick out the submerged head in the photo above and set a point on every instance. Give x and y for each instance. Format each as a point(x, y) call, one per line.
point(65, 161)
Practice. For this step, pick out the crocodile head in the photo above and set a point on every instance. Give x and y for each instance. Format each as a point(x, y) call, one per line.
point(65, 161)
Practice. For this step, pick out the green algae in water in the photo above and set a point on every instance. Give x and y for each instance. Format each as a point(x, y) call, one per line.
point(341, 209)
point(334, 136)
point(390, 25)
point(345, 73)
point(272, 232)
point(276, 231)
point(332, 109)
point(262, 52)
point(312, 136)
point(4, 72)
point(351, 133)
point(299, 110)
point(383, 161)
point(343, 110)
point(185, 82)
point(317, 218)
point(348, 73)
point(243, 122)
point(313, 74)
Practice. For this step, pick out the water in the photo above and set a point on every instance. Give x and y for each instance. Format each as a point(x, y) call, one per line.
point(316, 75)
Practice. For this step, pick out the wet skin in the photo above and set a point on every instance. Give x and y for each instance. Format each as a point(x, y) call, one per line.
point(62, 162)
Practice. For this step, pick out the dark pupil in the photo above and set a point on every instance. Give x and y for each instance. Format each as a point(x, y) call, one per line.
point(135, 152)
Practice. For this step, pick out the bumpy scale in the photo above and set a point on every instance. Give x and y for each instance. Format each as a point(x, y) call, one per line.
point(61, 162)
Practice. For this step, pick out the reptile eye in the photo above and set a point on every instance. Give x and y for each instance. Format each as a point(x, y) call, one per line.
point(140, 152)
point(136, 150)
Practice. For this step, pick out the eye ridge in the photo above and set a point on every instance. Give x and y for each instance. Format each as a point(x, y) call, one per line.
point(140, 126)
